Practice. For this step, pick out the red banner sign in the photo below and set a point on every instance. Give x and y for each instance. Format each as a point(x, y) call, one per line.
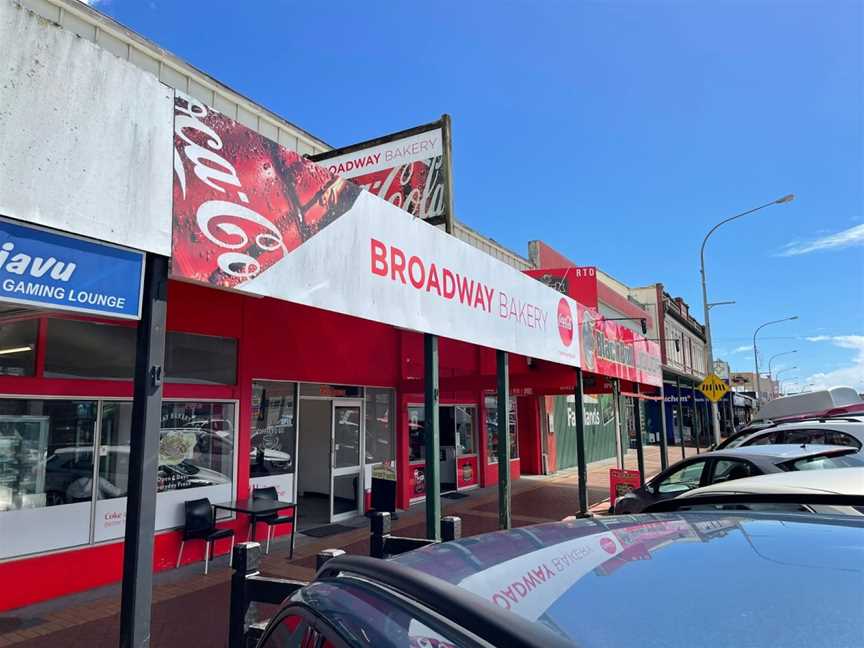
point(622, 482)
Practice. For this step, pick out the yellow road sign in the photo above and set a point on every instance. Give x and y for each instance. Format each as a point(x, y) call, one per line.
point(713, 387)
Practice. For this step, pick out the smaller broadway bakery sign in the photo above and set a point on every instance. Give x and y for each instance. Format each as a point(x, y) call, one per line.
point(410, 169)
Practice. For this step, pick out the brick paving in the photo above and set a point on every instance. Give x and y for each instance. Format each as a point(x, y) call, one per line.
point(192, 609)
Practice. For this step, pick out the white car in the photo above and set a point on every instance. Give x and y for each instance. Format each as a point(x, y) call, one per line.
point(835, 481)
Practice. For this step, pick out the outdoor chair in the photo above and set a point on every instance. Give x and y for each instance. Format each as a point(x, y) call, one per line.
point(201, 525)
point(269, 493)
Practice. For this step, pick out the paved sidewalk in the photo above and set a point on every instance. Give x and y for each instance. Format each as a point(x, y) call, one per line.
point(192, 609)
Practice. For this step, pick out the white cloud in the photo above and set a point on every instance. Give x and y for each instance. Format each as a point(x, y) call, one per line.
point(846, 238)
point(847, 376)
point(741, 349)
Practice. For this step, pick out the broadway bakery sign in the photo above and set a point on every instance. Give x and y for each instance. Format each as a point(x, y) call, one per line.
point(254, 217)
point(410, 169)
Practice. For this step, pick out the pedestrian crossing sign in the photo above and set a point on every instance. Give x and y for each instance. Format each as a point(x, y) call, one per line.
point(713, 387)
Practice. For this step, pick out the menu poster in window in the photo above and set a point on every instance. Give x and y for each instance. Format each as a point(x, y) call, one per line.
point(175, 446)
point(384, 470)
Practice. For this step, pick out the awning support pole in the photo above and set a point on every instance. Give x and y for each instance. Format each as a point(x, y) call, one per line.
point(137, 587)
point(582, 464)
point(640, 448)
point(697, 421)
point(431, 428)
point(680, 415)
point(731, 413)
point(504, 521)
point(664, 442)
point(616, 411)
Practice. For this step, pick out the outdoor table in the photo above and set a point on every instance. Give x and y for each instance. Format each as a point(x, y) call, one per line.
point(255, 508)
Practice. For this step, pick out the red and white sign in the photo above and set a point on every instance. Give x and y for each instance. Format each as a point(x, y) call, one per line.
point(622, 482)
point(252, 216)
point(613, 350)
point(408, 171)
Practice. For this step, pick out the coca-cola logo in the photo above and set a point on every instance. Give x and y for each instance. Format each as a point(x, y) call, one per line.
point(607, 545)
point(565, 322)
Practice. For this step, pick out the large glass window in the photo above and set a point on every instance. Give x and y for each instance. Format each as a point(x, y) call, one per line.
point(76, 349)
point(79, 349)
point(201, 359)
point(46, 452)
point(18, 347)
point(274, 411)
point(492, 428)
point(380, 426)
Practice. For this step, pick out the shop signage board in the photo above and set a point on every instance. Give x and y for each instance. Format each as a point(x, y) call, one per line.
point(622, 482)
point(713, 387)
point(613, 350)
point(42, 268)
point(410, 169)
point(254, 217)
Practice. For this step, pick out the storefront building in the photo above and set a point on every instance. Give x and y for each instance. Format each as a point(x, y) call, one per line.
point(296, 311)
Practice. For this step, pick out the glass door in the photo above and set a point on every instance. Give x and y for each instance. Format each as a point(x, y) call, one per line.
point(346, 455)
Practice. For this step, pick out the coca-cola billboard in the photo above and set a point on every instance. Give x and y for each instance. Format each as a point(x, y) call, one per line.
point(410, 169)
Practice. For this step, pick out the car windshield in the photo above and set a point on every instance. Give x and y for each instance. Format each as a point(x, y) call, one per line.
point(822, 462)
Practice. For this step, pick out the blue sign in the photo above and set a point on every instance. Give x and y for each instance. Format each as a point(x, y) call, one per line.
point(43, 268)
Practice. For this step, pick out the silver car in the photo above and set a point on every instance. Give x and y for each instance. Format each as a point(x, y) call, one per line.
point(731, 464)
point(845, 431)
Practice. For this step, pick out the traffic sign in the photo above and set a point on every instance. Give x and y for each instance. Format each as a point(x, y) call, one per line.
point(713, 387)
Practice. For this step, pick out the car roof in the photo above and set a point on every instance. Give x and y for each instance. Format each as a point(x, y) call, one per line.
point(576, 577)
point(780, 451)
point(854, 425)
point(843, 481)
point(815, 401)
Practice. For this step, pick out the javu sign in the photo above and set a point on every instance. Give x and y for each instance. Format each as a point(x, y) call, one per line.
point(257, 218)
point(410, 169)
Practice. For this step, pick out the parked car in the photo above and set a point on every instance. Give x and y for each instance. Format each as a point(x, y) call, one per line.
point(849, 481)
point(673, 580)
point(735, 463)
point(843, 430)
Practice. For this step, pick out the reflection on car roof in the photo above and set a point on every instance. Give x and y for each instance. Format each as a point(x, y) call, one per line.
point(779, 451)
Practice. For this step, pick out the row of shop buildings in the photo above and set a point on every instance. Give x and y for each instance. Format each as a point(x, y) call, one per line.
point(297, 310)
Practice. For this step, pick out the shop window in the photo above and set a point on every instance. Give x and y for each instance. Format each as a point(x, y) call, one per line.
point(77, 349)
point(273, 428)
point(46, 452)
point(416, 427)
point(18, 348)
point(380, 426)
point(200, 359)
point(491, 403)
point(466, 441)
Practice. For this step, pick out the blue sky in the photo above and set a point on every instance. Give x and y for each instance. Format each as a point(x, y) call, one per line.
point(618, 132)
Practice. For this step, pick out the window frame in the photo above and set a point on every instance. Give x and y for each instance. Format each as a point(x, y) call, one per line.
point(706, 477)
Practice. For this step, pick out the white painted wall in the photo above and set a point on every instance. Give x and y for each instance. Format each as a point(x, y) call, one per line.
point(313, 457)
point(85, 137)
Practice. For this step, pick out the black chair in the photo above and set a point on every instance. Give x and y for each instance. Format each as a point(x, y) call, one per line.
point(201, 525)
point(273, 519)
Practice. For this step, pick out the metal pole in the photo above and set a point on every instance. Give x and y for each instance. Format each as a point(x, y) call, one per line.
point(694, 420)
point(432, 472)
point(640, 450)
point(731, 412)
point(680, 415)
point(707, 414)
point(709, 352)
point(504, 521)
point(664, 442)
point(137, 586)
point(582, 464)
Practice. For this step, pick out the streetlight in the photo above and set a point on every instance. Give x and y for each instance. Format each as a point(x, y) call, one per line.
point(777, 377)
point(756, 351)
point(715, 421)
point(777, 355)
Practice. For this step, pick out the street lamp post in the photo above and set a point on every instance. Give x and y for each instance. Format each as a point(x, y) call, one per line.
point(777, 376)
point(756, 351)
point(715, 421)
point(777, 355)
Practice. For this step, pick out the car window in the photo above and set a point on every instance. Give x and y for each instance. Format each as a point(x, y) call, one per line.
point(822, 462)
point(725, 470)
point(763, 439)
point(292, 632)
point(823, 437)
point(684, 479)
